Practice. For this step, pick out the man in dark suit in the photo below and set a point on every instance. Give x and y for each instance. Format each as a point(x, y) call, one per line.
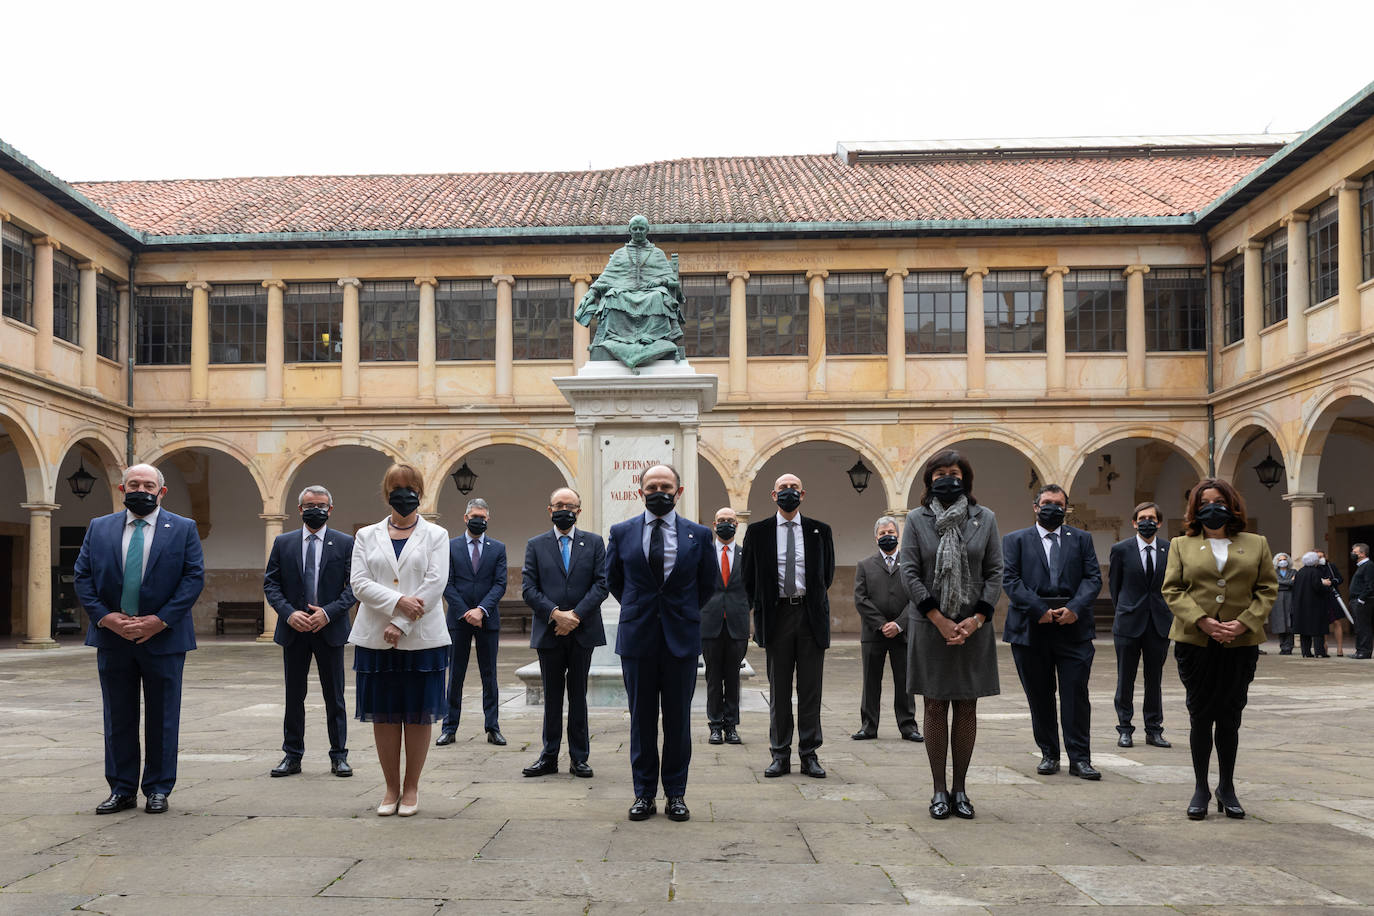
point(138, 574)
point(1362, 600)
point(1051, 577)
point(1135, 573)
point(725, 633)
point(882, 604)
point(789, 563)
point(307, 584)
point(476, 582)
point(660, 568)
point(564, 582)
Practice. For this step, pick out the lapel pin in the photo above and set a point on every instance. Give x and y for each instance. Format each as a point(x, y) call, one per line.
point(691, 537)
point(166, 524)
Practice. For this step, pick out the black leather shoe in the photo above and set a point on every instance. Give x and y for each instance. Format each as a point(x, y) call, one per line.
point(732, 736)
point(1227, 802)
point(340, 768)
point(962, 806)
point(157, 804)
point(643, 809)
point(914, 736)
point(1048, 766)
point(1197, 807)
point(116, 803)
point(445, 738)
point(780, 766)
point(939, 806)
point(1157, 741)
point(862, 735)
point(289, 766)
point(580, 768)
point(676, 809)
point(810, 766)
point(495, 737)
point(717, 736)
point(541, 767)
point(1125, 740)
point(1083, 770)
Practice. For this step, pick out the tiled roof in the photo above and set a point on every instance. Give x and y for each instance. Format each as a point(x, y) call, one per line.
point(750, 190)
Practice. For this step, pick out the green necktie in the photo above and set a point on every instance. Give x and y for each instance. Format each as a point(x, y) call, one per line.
point(133, 570)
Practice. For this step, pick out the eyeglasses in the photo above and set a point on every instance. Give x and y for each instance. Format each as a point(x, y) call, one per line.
point(557, 506)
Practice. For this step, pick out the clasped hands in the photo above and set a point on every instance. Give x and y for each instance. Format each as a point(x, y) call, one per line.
point(1223, 631)
point(413, 608)
point(955, 634)
point(135, 629)
point(1060, 615)
point(311, 620)
point(564, 622)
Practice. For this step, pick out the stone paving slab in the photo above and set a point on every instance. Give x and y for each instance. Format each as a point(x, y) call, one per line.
point(780, 843)
point(133, 874)
point(144, 905)
point(868, 844)
point(572, 881)
point(967, 843)
point(985, 885)
point(1202, 885)
point(1245, 841)
point(750, 884)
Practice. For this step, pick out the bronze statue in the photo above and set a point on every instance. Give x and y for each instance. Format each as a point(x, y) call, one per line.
point(637, 302)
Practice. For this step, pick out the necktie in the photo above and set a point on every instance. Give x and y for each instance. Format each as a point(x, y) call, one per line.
point(1054, 558)
point(476, 555)
point(725, 565)
point(311, 597)
point(789, 566)
point(1150, 564)
point(889, 564)
point(656, 551)
point(133, 570)
point(565, 548)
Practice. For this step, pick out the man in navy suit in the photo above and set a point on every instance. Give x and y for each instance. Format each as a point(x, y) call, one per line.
point(1135, 574)
point(138, 574)
point(1051, 577)
point(564, 582)
point(725, 633)
point(307, 584)
point(476, 583)
point(660, 568)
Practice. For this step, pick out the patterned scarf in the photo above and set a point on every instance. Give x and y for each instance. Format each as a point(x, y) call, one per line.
point(952, 576)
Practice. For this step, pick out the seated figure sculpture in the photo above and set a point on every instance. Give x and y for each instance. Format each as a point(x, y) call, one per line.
point(637, 304)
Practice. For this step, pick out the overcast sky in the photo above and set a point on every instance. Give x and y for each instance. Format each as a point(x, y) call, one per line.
point(185, 89)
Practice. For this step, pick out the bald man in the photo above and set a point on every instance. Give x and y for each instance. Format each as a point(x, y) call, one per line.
point(725, 633)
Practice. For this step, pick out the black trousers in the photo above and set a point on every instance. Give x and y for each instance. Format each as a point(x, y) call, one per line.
point(564, 668)
point(658, 681)
point(792, 652)
point(1364, 628)
point(723, 656)
point(1050, 658)
point(487, 641)
point(329, 665)
point(1313, 645)
point(124, 674)
point(879, 654)
point(1154, 649)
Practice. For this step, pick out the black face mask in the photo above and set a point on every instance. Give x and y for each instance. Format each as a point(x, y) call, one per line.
point(660, 503)
point(477, 526)
point(564, 519)
point(314, 517)
point(404, 500)
point(888, 542)
point(725, 531)
point(1214, 516)
point(140, 502)
point(1050, 516)
point(947, 489)
point(789, 500)
point(1355, 556)
point(1147, 527)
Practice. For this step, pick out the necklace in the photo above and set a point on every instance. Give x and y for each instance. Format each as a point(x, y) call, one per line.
point(404, 527)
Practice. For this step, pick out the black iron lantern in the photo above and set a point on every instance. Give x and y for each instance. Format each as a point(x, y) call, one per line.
point(464, 479)
point(82, 481)
point(1269, 470)
point(858, 476)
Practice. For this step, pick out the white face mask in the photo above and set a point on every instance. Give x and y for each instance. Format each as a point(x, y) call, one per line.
point(1283, 564)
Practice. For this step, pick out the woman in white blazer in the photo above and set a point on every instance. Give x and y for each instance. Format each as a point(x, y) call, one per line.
point(400, 568)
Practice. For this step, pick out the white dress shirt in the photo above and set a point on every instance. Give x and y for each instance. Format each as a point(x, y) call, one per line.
point(481, 543)
point(1220, 548)
point(1143, 547)
point(734, 553)
point(1045, 539)
point(319, 550)
point(782, 554)
point(129, 518)
point(669, 538)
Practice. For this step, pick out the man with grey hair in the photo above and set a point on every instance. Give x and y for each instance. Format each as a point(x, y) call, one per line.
point(307, 583)
point(882, 604)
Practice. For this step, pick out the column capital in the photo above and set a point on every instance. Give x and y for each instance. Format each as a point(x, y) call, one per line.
point(1304, 497)
point(737, 275)
point(970, 271)
point(1141, 269)
point(272, 517)
point(1218, 269)
point(1250, 245)
point(1052, 271)
point(40, 508)
point(124, 288)
point(1295, 217)
point(1347, 184)
point(5, 216)
point(813, 274)
point(46, 241)
point(199, 284)
point(90, 265)
point(895, 272)
point(580, 278)
point(503, 278)
point(426, 281)
point(274, 284)
point(350, 281)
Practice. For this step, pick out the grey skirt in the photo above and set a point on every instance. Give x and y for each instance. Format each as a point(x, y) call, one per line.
point(943, 672)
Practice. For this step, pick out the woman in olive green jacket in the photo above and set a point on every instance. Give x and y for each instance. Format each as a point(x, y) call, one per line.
point(1220, 585)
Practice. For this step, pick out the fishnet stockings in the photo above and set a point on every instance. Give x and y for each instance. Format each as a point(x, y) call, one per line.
point(938, 730)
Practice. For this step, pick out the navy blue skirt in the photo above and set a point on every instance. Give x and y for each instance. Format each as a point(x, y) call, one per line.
point(401, 687)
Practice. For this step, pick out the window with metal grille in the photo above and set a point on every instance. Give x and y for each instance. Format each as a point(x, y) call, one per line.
point(856, 314)
point(238, 323)
point(312, 315)
point(1175, 304)
point(1367, 225)
point(935, 309)
point(1274, 264)
point(706, 328)
point(1233, 299)
point(389, 319)
point(465, 319)
point(66, 295)
point(1014, 311)
point(106, 318)
point(16, 274)
point(1094, 311)
point(775, 308)
point(1322, 243)
point(541, 311)
point(163, 325)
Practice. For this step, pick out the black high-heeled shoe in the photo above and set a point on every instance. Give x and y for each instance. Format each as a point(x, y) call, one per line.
point(939, 805)
point(962, 806)
point(1197, 807)
point(1228, 803)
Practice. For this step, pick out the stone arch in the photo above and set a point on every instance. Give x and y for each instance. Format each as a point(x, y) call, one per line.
point(1028, 449)
point(1238, 434)
point(95, 439)
point(502, 437)
point(712, 456)
point(1125, 467)
point(36, 483)
point(1192, 452)
point(882, 469)
point(215, 444)
point(281, 500)
point(1319, 415)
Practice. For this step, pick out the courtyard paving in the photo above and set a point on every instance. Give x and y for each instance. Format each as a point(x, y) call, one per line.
point(488, 840)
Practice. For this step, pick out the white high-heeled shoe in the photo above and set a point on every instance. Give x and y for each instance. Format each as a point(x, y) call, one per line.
point(386, 810)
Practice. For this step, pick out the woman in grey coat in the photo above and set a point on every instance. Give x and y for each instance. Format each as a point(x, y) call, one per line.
point(952, 573)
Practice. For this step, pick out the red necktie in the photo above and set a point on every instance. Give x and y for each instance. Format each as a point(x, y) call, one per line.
point(725, 564)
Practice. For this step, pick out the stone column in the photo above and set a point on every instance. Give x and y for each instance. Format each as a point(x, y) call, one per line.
point(1298, 289)
point(1056, 368)
point(1302, 513)
point(87, 327)
point(428, 346)
point(739, 336)
point(896, 333)
point(125, 323)
point(505, 337)
point(43, 248)
point(38, 607)
point(276, 340)
point(975, 334)
point(1349, 257)
point(690, 507)
point(1254, 306)
point(815, 335)
point(582, 335)
point(272, 525)
point(351, 330)
point(1135, 328)
point(200, 342)
point(1218, 316)
point(587, 481)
